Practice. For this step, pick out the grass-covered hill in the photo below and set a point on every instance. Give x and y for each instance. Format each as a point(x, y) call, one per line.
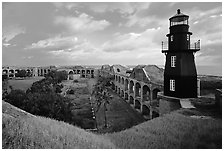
point(23, 130)
point(175, 130)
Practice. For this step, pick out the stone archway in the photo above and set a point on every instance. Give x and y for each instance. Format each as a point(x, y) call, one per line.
point(145, 110)
point(126, 96)
point(122, 93)
point(126, 84)
point(146, 93)
point(11, 73)
point(119, 91)
point(70, 75)
point(137, 104)
point(137, 89)
point(5, 71)
point(155, 93)
point(122, 80)
point(131, 100)
point(131, 87)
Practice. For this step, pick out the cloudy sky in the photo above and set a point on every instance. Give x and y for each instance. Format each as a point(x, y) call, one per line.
point(41, 34)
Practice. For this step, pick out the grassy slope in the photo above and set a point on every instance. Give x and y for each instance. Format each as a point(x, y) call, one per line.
point(171, 131)
point(23, 130)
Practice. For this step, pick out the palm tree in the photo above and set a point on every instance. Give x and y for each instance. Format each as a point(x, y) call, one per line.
point(102, 97)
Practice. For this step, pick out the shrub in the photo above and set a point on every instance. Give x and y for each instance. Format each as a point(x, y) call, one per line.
point(75, 81)
point(70, 91)
point(17, 98)
point(50, 105)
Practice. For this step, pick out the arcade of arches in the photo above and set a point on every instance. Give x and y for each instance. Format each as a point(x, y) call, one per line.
point(140, 95)
point(11, 72)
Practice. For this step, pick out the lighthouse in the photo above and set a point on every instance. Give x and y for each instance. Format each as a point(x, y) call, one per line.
point(180, 75)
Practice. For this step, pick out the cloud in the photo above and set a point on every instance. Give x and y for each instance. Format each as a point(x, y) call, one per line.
point(58, 42)
point(82, 23)
point(133, 41)
point(10, 32)
point(67, 47)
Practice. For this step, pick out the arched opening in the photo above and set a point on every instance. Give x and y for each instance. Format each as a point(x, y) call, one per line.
point(122, 80)
point(83, 71)
point(137, 104)
point(78, 71)
point(16, 72)
point(137, 90)
point(122, 93)
point(146, 93)
point(126, 84)
point(145, 110)
point(48, 70)
point(155, 114)
point(11, 71)
point(131, 100)
point(131, 88)
point(5, 71)
point(115, 77)
point(113, 86)
point(70, 75)
point(116, 89)
point(88, 71)
point(154, 93)
point(119, 79)
point(126, 96)
point(28, 72)
point(41, 72)
point(119, 91)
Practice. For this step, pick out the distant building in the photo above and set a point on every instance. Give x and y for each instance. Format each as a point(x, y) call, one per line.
point(74, 72)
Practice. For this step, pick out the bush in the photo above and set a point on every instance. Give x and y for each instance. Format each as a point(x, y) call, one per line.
point(49, 105)
point(17, 98)
point(75, 81)
point(70, 91)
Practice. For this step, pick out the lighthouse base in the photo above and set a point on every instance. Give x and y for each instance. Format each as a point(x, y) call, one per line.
point(168, 104)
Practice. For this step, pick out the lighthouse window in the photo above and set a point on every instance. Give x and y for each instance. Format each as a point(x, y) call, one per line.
point(173, 61)
point(172, 85)
point(171, 38)
point(188, 37)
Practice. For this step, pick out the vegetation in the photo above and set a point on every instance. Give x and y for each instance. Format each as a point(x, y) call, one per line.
point(23, 130)
point(42, 99)
point(171, 131)
point(102, 96)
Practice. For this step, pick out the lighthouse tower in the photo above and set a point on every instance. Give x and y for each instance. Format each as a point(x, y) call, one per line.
point(180, 75)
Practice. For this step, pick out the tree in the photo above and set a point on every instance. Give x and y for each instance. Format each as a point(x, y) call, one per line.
point(57, 76)
point(102, 97)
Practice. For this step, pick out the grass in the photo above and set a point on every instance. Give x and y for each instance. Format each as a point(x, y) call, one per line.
point(175, 130)
point(21, 130)
point(171, 131)
point(23, 84)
